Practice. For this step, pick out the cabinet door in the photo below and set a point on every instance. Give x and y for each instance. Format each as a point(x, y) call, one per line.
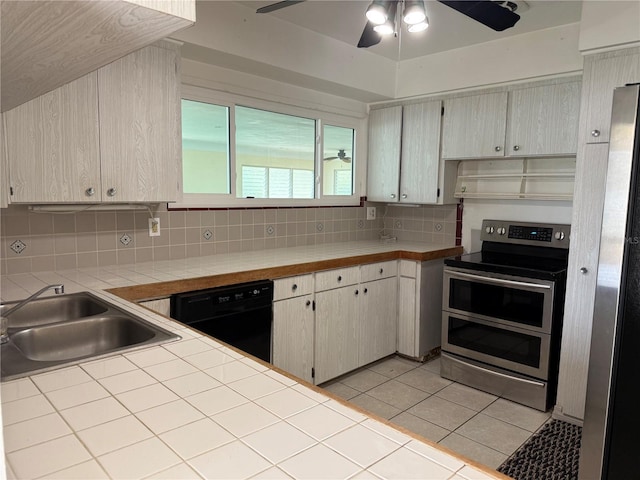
point(419, 167)
point(336, 332)
point(544, 120)
point(293, 336)
point(52, 145)
point(586, 224)
point(475, 126)
point(4, 180)
point(383, 165)
point(603, 76)
point(407, 317)
point(140, 131)
point(378, 319)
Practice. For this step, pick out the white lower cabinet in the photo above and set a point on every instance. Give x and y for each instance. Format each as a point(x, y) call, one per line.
point(293, 324)
point(293, 321)
point(378, 313)
point(337, 332)
point(335, 321)
point(419, 307)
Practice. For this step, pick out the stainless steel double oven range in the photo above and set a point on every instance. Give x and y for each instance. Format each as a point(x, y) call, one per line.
point(502, 312)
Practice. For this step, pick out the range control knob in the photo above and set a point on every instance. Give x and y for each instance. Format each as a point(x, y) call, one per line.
point(255, 292)
point(489, 230)
point(501, 230)
point(559, 235)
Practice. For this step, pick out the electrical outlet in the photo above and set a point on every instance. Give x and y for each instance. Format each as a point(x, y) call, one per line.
point(154, 227)
point(371, 213)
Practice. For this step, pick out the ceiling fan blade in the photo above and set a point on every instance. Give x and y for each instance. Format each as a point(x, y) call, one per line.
point(277, 6)
point(369, 37)
point(331, 158)
point(487, 12)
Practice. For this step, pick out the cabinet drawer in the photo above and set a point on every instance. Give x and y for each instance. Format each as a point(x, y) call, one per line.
point(408, 268)
point(292, 286)
point(376, 271)
point(337, 278)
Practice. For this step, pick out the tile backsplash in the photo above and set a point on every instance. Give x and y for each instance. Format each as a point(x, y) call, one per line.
point(33, 242)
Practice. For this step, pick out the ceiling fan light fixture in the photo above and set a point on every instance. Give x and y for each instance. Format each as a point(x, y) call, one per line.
point(387, 28)
point(419, 27)
point(378, 12)
point(414, 12)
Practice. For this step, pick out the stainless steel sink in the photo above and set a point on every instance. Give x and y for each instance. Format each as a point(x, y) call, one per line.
point(66, 329)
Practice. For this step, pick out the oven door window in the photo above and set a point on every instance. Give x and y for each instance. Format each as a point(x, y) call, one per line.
point(515, 347)
point(525, 307)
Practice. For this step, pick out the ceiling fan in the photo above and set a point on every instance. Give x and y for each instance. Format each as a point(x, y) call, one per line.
point(495, 14)
point(341, 155)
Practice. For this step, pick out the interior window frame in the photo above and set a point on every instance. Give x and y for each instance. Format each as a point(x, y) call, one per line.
point(218, 200)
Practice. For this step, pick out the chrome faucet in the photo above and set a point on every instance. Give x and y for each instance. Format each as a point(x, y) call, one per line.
point(4, 324)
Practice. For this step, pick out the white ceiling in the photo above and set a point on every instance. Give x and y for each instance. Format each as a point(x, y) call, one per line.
point(344, 20)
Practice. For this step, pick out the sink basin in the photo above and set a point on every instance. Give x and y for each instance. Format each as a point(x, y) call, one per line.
point(67, 329)
point(55, 309)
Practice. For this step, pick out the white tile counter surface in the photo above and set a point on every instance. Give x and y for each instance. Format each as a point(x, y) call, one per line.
point(195, 408)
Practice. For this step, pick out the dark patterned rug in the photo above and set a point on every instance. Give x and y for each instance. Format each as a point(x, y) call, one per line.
point(550, 454)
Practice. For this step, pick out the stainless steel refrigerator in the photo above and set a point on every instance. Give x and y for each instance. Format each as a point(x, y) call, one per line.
point(611, 434)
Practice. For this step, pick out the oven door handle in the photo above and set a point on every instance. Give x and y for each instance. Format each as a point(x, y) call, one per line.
point(499, 281)
point(493, 372)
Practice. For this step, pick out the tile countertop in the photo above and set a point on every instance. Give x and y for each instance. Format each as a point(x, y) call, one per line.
point(196, 408)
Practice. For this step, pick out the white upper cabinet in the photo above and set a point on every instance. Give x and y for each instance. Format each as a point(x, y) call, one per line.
point(404, 154)
point(383, 167)
point(544, 120)
point(110, 136)
point(140, 139)
point(48, 43)
point(53, 145)
point(420, 152)
point(474, 126)
point(524, 122)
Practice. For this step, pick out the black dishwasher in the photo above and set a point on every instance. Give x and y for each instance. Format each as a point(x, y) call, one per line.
point(239, 315)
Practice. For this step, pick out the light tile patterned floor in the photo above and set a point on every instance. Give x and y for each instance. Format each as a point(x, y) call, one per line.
point(410, 394)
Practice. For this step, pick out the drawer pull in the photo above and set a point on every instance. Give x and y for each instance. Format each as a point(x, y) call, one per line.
point(366, 290)
point(381, 270)
point(357, 292)
point(294, 287)
point(308, 303)
point(339, 278)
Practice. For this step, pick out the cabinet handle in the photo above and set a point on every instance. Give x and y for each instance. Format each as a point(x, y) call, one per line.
point(595, 133)
point(294, 287)
point(90, 191)
point(404, 195)
point(339, 278)
point(381, 270)
point(366, 290)
point(112, 192)
point(308, 303)
point(516, 147)
point(393, 195)
point(357, 292)
point(498, 148)
point(584, 270)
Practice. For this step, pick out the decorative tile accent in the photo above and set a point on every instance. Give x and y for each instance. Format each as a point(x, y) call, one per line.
point(320, 227)
point(125, 239)
point(438, 227)
point(360, 223)
point(207, 235)
point(270, 230)
point(398, 224)
point(18, 246)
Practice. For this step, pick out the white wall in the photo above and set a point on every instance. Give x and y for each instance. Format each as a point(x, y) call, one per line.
point(272, 47)
point(475, 211)
point(521, 57)
point(609, 23)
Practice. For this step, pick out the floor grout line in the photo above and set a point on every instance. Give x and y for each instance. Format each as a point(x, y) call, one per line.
point(405, 410)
